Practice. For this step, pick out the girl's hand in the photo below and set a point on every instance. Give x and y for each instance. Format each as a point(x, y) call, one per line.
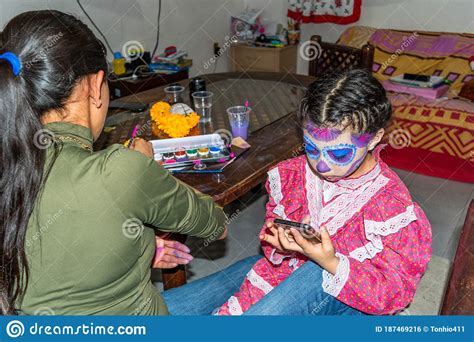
point(143, 146)
point(322, 253)
point(170, 254)
point(272, 238)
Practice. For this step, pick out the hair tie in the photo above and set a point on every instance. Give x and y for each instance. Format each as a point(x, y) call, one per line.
point(14, 61)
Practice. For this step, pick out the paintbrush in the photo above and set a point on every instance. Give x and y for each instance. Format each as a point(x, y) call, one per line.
point(134, 135)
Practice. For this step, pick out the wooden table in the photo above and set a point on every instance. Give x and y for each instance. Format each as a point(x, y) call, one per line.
point(275, 138)
point(275, 132)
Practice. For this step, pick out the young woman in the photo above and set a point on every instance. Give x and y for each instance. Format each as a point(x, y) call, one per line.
point(74, 222)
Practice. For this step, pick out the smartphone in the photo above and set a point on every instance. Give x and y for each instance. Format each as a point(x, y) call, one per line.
point(306, 230)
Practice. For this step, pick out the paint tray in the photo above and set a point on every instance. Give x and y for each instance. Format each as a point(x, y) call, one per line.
point(187, 151)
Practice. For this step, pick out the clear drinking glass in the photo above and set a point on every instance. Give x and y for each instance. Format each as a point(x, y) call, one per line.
point(239, 118)
point(174, 94)
point(203, 105)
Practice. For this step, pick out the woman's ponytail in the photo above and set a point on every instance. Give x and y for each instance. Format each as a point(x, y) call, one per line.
point(21, 168)
point(55, 51)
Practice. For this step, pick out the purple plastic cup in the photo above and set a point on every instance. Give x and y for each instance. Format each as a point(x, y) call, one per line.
point(239, 118)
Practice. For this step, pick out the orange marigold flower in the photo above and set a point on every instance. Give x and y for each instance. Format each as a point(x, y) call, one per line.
point(175, 125)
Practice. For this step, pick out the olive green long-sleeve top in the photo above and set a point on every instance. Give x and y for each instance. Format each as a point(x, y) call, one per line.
point(90, 241)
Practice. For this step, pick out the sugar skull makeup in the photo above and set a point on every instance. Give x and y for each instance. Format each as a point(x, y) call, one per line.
point(334, 153)
point(342, 154)
point(312, 150)
point(361, 140)
point(323, 134)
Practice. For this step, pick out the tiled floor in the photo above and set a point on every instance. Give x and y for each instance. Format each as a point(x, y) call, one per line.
point(444, 202)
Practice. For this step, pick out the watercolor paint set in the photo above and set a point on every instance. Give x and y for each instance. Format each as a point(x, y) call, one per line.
point(188, 151)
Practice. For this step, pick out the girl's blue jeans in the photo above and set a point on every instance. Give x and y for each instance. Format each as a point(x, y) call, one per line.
point(300, 294)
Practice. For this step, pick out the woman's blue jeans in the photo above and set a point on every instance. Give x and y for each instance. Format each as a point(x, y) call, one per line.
point(300, 294)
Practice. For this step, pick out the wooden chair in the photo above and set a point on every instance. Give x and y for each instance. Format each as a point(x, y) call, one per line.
point(330, 57)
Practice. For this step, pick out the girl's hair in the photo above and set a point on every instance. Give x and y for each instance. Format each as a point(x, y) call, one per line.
point(55, 50)
point(350, 98)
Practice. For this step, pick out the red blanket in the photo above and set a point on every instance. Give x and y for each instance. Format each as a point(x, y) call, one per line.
point(429, 137)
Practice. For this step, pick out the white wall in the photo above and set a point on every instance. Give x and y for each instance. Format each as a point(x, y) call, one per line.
point(273, 9)
point(190, 24)
point(196, 24)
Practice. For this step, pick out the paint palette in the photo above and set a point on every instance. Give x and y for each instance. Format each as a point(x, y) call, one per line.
point(197, 150)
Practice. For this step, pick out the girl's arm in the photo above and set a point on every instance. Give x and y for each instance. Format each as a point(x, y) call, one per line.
point(274, 210)
point(382, 279)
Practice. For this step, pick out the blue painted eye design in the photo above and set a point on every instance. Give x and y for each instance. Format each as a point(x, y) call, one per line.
point(341, 155)
point(311, 150)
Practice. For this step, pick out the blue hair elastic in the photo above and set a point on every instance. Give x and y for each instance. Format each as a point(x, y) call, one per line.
point(14, 61)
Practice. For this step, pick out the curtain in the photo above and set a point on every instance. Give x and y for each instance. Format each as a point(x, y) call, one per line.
point(325, 11)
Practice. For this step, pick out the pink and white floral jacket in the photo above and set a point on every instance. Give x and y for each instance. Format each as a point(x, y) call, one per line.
point(382, 237)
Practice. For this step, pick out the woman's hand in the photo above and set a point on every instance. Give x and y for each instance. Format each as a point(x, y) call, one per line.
point(143, 146)
point(322, 253)
point(170, 254)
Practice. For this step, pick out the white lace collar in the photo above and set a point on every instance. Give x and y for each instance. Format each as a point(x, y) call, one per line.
point(332, 204)
point(353, 183)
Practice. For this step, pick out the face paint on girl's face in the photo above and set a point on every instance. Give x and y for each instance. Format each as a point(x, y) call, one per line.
point(341, 155)
point(312, 150)
point(314, 153)
point(335, 154)
point(323, 134)
point(322, 167)
point(355, 165)
point(362, 140)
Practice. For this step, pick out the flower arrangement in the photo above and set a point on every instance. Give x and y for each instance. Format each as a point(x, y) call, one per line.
point(175, 125)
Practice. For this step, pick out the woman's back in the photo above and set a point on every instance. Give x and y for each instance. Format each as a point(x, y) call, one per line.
point(86, 250)
point(90, 241)
point(78, 227)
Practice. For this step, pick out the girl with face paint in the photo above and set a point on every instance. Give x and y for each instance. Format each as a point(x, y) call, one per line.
point(337, 153)
point(376, 242)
